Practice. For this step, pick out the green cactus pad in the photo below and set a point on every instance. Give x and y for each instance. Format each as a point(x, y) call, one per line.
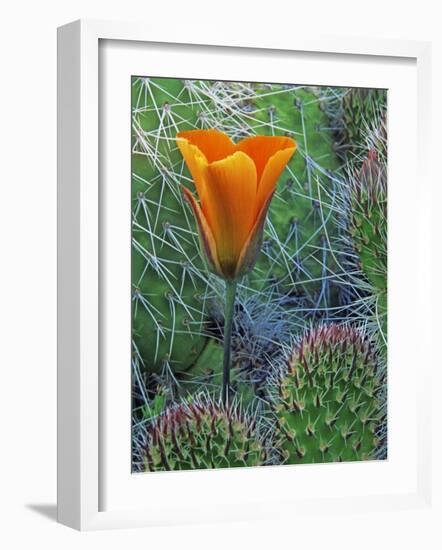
point(168, 282)
point(201, 435)
point(327, 408)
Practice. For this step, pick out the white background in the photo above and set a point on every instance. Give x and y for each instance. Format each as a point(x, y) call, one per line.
point(28, 260)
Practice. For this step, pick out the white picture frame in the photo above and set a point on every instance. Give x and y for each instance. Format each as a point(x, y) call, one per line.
point(81, 395)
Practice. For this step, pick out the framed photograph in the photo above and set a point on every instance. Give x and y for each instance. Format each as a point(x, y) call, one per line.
point(234, 242)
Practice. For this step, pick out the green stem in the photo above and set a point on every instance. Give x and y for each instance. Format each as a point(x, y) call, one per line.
point(228, 323)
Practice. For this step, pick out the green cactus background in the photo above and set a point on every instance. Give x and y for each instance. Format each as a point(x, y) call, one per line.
point(323, 267)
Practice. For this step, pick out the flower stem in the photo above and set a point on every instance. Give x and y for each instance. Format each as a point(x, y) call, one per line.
point(228, 323)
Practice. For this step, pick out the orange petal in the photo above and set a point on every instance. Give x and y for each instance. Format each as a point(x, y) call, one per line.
point(207, 241)
point(272, 170)
point(214, 145)
point(252, 247)
point(197, 165)
point(231, 196)
point(262, 148)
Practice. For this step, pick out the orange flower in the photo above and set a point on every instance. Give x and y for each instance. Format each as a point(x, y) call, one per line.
point(235, 184)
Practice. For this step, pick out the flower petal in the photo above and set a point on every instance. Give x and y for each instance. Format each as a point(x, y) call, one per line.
point(197, 165)
point(252, 247)
point(272, 170)
point(262, 148)
point(231, 196)
point(214, 145)
point(207, 241)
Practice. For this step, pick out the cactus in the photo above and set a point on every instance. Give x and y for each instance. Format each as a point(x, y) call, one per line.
point(368, 221)
point(358, 117)
point(355, 115)
point(365, 233)
point(201, 434)
point(329, 406)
